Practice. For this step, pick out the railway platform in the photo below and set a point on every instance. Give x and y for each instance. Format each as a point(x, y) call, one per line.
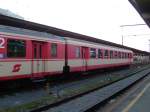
point(136, 99)
point(141, 102)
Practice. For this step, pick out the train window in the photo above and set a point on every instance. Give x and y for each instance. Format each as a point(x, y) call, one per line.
point(106, 54)
point(100, 53)
point(128, 55)
point(40, 52)
point(111, 54)
point(54, 50)
point(93, 53)
point(35, 52)
point(122, 55)
point(119, 55)
point(131, 55)
point(16, 48)
point(115, 55)
point(77, 52)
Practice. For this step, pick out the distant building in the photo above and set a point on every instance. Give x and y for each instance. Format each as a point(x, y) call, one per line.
point(9, 13)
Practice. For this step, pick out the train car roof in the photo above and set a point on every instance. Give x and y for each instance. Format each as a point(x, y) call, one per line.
point(22, 31)
point(143, 8)
point(10, 21)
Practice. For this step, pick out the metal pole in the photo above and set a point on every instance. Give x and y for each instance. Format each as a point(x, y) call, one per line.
point(122, 26)
point(66, 68)
point(133, 25)
point(149, 45)
point(122, 39)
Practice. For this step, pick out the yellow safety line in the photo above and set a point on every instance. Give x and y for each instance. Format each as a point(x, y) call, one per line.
point(136, 99)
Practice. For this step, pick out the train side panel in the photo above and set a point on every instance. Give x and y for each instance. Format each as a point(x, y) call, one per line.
point(13, 68)
point(38, 61)
point(89, 59)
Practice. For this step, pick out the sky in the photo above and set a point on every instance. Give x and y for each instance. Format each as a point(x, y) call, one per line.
point(97, 18)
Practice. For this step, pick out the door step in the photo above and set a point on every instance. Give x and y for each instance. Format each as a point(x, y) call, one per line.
point(85, 73)
point(36, 80)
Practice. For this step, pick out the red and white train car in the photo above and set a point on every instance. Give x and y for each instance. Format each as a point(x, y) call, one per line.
point(85, 55)
point(31, 54)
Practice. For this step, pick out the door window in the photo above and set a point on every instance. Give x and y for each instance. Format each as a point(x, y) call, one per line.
point(53, 50)
point(77, 52)
point(37, 50)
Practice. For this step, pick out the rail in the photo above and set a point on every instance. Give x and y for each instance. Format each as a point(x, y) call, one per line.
point(77, 103)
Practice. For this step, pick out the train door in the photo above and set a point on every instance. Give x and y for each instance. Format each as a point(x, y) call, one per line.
point(38, 66)
point(84, 58)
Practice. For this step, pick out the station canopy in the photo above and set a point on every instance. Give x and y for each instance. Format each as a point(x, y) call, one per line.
point(143, 7)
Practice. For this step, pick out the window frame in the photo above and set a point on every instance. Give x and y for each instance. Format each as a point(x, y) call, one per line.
point(111, 54)
point(128, 55)
point(119, 54)
point(106, 57)
point(77, 52)
point(101, 52)
point(116, 54)
point(94, 51)
point(56, 52)
point(25, 48)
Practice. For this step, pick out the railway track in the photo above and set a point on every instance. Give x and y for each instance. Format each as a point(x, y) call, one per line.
point(85, 102)
point(6, 89)
point(29, 100)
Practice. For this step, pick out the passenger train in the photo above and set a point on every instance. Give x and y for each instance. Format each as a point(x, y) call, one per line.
point(28, 54)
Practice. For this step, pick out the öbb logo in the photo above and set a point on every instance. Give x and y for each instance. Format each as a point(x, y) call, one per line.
point(16, 68)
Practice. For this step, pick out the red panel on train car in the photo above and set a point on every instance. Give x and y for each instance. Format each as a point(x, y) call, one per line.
point(71, 51)
point(56, 50)
point(60, 50)
point(29, 49)
point(76, 52)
